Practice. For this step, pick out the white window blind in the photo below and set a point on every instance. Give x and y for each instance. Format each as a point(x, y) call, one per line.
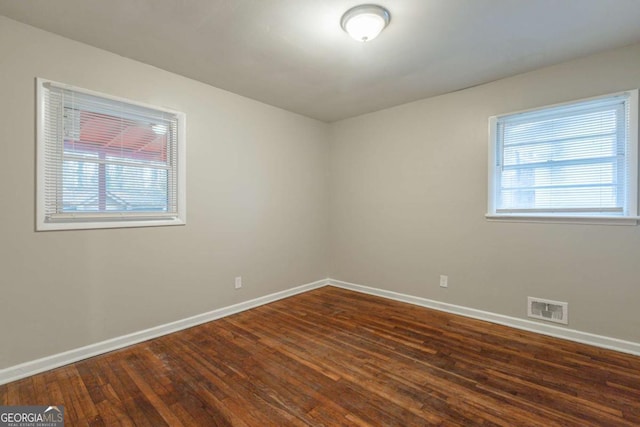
point(576, 159)
point(107, 162)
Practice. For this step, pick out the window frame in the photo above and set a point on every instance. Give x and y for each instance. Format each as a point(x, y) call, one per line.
point(630, 218)
point(96, 220)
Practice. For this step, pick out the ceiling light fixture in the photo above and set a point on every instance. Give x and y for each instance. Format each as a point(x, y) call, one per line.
point(365, 22)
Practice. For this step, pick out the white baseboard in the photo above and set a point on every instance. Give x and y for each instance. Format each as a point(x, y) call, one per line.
point(26, 369)
point(33, 367)
point(514, 322)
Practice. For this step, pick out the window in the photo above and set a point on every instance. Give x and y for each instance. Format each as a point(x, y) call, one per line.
point(107, 162)
point(572, 162)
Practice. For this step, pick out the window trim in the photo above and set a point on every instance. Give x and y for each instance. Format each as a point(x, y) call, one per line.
point(115, 220)
point(632, 153)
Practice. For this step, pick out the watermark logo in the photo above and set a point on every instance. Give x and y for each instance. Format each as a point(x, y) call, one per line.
point(31, 416)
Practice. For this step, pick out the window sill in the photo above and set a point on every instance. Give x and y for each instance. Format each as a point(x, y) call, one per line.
point(91, 225)
point(593, 220)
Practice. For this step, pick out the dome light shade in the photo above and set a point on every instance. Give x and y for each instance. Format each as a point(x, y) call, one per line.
point(364, 23)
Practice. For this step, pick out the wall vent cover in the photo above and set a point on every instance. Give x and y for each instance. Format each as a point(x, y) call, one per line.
point(544, 309)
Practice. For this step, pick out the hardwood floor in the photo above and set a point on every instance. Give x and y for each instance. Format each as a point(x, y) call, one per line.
point(335, 357)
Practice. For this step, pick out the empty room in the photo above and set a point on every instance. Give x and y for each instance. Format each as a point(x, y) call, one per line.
point(319, 213)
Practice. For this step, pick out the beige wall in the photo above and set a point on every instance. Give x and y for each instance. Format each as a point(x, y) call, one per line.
point(408, 196)
point(391, 200)
point(257, 207)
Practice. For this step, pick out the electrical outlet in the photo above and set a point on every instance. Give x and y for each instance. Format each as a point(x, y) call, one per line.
point(444, 281)
point(238, 283)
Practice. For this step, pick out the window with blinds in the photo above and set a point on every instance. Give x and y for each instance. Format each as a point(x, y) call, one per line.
point(573, 160)
point(107, 162)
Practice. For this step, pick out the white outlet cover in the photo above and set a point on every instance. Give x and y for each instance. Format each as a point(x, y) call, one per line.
point(444, 281)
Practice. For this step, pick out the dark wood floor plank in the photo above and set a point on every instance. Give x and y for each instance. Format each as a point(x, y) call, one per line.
point(149, 393)
point(332, 357)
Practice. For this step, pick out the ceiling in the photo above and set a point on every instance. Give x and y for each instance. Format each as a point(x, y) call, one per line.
point(294, 55)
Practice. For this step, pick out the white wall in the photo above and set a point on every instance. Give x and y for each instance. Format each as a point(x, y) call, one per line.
point(257, 207)
point(408, 196)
